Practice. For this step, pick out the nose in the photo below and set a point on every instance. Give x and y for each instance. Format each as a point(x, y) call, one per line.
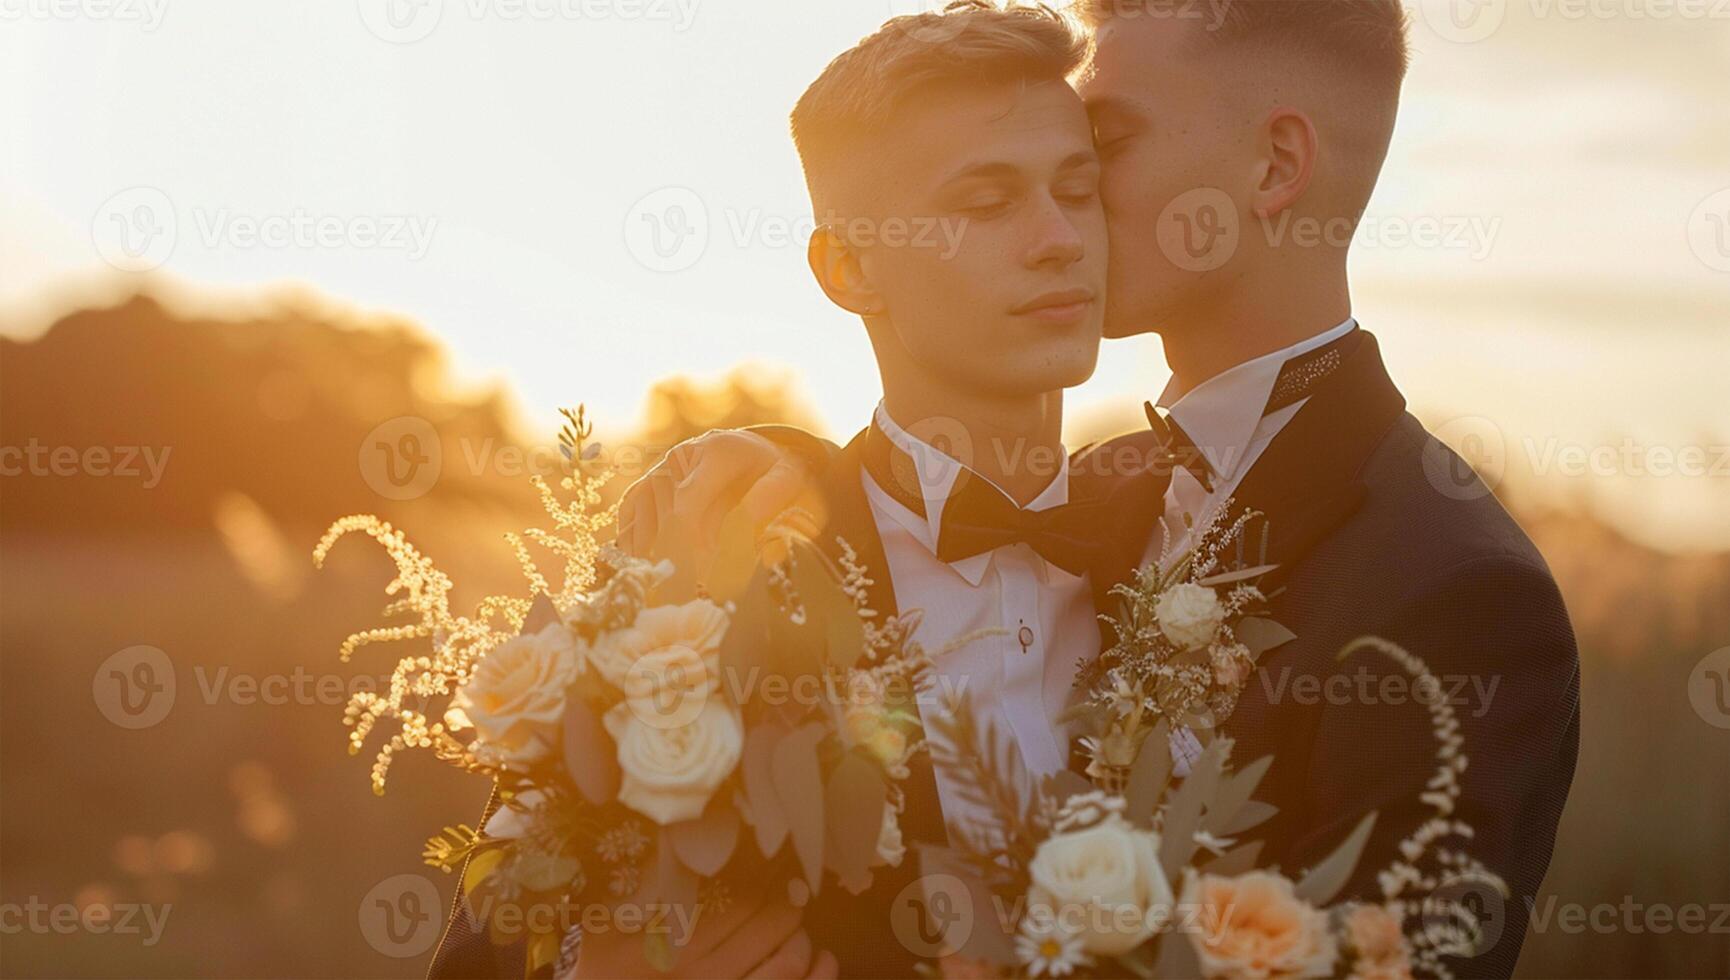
point(1057, 243)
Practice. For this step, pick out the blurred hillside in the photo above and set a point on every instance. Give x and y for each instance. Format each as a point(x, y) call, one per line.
point(244, 814)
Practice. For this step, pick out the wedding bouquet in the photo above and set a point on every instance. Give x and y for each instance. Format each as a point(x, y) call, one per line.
point(655, 733)
point(1140, 869)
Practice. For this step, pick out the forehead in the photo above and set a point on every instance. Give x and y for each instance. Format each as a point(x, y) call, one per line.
point(1135, 58)
point(954, 126)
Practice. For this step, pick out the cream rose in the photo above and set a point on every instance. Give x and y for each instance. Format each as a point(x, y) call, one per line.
point(1104, 883)
point(1189, 615)
point(516, 699)
point(1254, 926)
point(1375, 934)
point(685, 634)
point(669, 773)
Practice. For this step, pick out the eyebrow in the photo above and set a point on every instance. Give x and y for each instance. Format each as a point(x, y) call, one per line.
point(999, 170)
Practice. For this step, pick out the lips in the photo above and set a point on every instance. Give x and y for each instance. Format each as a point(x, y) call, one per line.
point(1060, 303)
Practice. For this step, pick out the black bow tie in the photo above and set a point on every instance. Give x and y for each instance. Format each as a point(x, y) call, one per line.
point(979, 518)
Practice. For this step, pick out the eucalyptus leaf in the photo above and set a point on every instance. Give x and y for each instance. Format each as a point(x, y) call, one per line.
point(1177, 956)
point(542, 613)
point(1236, 861)
point(768, 818)
point(1238, 575)
point(799, 786)
point(854, 801)
point(706, 843)
point(1150, 775)
point(1250, 815)
point(1261, 634)
point(828, 608)
point(1323, 882)
point(591, 757)
point(1183, 814)
point(1233, 794)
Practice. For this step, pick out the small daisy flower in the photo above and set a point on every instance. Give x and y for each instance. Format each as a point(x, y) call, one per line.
point(1047, 949)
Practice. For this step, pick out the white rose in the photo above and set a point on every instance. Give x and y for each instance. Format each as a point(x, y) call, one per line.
point(671, 772)
point(1104, 883)
point(516, 699)
point(1189, 615)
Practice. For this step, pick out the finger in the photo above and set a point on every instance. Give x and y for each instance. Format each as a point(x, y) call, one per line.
point(752, 943)
point(789, 962)
point(774, 492)
point(710, 930)
point(824, 967)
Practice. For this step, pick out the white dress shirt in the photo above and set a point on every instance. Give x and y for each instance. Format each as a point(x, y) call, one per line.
point(1020, 691)
point(1222, 416)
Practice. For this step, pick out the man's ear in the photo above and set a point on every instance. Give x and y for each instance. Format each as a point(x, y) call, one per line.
point(1288, 162)
point(836, 265)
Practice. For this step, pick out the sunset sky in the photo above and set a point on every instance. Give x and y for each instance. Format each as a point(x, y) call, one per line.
point(1568, 158)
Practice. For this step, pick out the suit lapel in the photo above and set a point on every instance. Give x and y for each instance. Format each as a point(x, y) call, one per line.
point(850, 519)
point(1308, 480)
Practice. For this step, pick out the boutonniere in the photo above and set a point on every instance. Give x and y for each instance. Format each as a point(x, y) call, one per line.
point(1190, 629)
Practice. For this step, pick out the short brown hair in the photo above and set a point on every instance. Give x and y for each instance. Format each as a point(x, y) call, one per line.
point(1369, 35)
point(856, 97)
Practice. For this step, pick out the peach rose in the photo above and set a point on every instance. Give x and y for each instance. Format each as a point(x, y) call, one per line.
point(1254, 926)
point(1375, 935)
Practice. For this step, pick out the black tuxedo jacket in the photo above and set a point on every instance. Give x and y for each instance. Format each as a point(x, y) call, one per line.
point(1380, 530)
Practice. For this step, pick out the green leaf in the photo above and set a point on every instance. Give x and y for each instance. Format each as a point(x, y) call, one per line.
point(1251, 814)
point(1236, 791)
point(1177, 957)
point(541, 615)
point(767, 817)
point(658, 950)
point(799, 786)
point(854, 802)
point(591, 758)
point(1261, 634)
point(1183, 815)
point(1150, 775)
point(1242, 574)
point(827, 607)
point(1321, 883)
point(1236, 861)
point(706, 843)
